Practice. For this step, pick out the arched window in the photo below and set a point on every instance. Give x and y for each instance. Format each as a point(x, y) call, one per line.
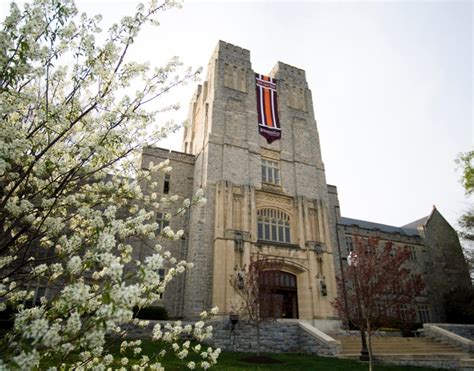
point(273, 225)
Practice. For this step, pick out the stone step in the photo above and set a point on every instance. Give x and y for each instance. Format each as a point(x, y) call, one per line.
point(414, 356)
point(398, 346)
point(408, 351)
point(402, 350)
point(466, 362)
point(401, 345)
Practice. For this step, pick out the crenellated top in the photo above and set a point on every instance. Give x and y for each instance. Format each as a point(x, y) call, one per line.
point(231, 49)
point(289, 73)
point(232, 54)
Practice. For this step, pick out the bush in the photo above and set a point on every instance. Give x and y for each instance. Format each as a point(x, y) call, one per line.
point(154, 313)
point(459, 305)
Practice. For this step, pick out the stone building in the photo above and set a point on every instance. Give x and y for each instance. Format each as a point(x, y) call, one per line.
point(435, 254)
point(270, 197)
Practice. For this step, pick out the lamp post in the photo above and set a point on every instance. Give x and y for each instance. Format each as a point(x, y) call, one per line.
point(352, 261)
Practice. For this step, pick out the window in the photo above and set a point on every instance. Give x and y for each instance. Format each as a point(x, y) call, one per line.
point(238, 241)
point(39, 292)
point(273, 225)
point(404, 312)
point(412, 251)
point(166, 184)
point(270, 172)
point(162, 222)
point(423, 313)
point(349, 244)
point(161, 273)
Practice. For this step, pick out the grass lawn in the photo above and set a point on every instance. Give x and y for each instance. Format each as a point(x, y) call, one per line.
point(233, 361)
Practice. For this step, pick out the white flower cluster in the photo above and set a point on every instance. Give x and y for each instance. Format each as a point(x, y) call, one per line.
point(171, 332)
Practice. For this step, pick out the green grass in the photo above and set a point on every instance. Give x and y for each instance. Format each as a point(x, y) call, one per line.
point(233, 361)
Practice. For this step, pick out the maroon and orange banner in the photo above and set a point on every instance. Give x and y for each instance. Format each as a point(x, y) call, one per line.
point(267, 108)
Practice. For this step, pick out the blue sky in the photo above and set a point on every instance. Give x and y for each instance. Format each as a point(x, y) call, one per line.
point(391, 83)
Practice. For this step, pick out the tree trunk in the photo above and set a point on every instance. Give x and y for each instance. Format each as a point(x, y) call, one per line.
point(258, 339)
point(369, 344)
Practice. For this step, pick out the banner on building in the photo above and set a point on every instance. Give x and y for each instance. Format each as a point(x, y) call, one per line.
point(267, 108)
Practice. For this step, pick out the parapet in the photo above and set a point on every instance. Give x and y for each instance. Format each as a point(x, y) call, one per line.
point(232, 53)
point(287, 72)
point(228, 48)
point(332, 189)
point(163, 153)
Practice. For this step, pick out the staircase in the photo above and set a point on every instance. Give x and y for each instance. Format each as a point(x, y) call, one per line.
point(402, 350)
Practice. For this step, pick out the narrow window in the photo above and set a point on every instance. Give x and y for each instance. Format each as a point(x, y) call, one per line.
point(411, 249)
point(162, 222)
point(267, 232)
point(423, 313)
point(404, 312)
point(349, 244)
point(166, 185)
point(270, 171)
point(161, 274)
point(40, 292)
point(287, 232)
point(260, 231)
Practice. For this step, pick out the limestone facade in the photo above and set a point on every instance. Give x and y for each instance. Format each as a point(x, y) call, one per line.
point(247, 183)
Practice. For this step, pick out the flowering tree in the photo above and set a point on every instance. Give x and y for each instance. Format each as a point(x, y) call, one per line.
point(71, 199)
point(377, 287)
point(255, 285)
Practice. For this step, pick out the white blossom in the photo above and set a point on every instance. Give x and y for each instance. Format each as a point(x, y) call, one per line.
point(74, 265)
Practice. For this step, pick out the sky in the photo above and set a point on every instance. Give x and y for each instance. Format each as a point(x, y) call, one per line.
point(391, 83)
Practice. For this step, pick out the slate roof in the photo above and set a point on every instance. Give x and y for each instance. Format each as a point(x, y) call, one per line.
point(416, 223)
point(407, 230)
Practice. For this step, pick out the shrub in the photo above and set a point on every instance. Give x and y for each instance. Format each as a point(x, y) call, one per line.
point(154, 313)
point(459, 305)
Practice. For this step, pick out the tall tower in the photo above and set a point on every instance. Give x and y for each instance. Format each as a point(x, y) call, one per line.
point(264, 199)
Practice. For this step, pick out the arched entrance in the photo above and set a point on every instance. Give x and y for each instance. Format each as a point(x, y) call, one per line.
point(279, 294)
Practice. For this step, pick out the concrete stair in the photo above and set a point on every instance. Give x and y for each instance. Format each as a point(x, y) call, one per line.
point(396, 349)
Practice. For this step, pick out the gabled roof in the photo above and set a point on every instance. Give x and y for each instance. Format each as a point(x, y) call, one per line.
point(416, 223)
point(381, 227)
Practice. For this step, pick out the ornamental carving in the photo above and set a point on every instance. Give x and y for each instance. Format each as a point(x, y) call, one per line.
point(274, 155)
point(268, 199)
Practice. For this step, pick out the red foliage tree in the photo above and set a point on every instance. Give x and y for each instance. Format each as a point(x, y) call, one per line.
point(377, 288)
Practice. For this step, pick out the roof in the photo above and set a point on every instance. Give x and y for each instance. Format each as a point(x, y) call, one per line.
point(416, 223)
point(405, 230)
